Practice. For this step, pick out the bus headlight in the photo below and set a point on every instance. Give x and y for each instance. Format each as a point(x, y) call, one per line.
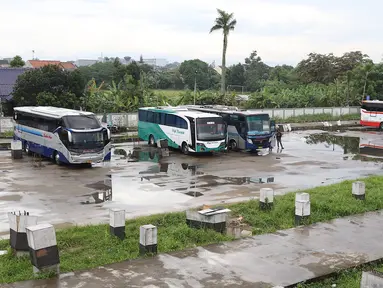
point(250, 140)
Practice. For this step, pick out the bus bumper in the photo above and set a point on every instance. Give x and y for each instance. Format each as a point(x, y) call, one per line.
point(257, 145)
point(202, 148)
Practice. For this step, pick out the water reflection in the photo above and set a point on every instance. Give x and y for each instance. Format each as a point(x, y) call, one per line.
point(103, 193)
point(348, 144)
point(363, 148)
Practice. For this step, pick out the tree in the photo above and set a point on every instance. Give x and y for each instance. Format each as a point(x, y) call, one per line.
point(17, 61)
point(226, 23)
point(236, 75)
point(56, 84)
point(256, 72)
point(199, 71)
point(141, 59)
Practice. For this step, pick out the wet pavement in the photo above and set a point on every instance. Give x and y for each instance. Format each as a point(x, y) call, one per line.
point(65, 196)
point(283, 258)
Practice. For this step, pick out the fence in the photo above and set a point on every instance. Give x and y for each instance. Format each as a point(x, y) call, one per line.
point(130, 120)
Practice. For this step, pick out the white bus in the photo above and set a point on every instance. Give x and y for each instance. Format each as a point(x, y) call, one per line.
point(371, 114)
point(64, 135)
point(189, 131)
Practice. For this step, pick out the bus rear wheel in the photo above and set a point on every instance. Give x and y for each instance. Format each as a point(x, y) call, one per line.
point(152, 142)
point(233, 145)
point(185, 148)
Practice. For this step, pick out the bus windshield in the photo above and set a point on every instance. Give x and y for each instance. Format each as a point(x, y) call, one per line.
point(211, 129)
point(82, 122)
point(258, 123)
point(87, 140)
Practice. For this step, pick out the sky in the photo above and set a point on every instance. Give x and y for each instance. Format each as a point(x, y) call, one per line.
point(282, 31)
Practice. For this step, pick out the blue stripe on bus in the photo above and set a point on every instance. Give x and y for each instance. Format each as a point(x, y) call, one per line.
point(30, 131)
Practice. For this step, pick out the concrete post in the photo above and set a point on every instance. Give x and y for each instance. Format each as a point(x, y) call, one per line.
point(359, 190)
point(148, 239)
point(117, 223)
point(371, 280)
point(17, 229)
point(43, 248)
point(266, 198)
point(302, 207)
point(16, 149)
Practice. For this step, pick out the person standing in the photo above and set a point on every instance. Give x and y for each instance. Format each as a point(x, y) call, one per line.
point(279, 138)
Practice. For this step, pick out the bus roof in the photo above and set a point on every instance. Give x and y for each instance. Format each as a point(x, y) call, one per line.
point(53, 112)
point(182, 111)
point(225, 109)
point(372, 101)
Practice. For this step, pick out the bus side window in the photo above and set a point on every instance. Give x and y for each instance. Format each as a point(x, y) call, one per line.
point(142, 115)
point(150, 116)
point(156, 118)
point(170, 120)
point(181, 123)
point(162, 118)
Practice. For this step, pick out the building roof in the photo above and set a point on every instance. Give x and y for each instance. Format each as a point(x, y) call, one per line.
point(42, 63)
point(8, 77)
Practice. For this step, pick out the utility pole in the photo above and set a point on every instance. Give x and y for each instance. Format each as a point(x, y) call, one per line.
point(195, 85)
point(1, 112)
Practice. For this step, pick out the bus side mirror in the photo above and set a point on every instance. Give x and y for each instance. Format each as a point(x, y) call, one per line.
point(272, 125)
point(64, 136)
point(69, 136)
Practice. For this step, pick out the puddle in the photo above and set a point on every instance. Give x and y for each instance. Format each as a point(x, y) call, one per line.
point(367, 148)
point(103, 193)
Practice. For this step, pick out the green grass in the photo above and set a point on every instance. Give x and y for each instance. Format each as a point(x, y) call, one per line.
point(6, 134)
point(349, 278)
point(317, 118)
point(91, 246)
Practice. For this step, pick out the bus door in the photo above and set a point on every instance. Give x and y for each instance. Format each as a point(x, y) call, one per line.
point(238, 130)
point(192, 132)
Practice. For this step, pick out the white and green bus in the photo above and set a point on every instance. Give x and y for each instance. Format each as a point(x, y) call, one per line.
point(189, 131)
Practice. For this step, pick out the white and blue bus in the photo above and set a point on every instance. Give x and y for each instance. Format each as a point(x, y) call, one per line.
point(189, 131)
point(64, 135)
point(247, 130)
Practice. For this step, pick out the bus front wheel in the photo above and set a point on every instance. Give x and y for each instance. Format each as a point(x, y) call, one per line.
point(152, 142)
point(27, 149)
point(185, 148)
point(381, 126)
point(233, 145)
point(56, 158)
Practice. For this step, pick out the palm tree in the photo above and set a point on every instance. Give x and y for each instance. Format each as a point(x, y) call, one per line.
point(226, 22)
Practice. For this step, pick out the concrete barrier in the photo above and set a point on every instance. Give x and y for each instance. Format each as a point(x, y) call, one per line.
point(16, 149)
point(302, 207)
point(148, 239)
point(359, 190)
point(43, 248)
point(266, 198)
point(117, 223)
point(371, 280)
point(18, 234)
point(208, 218)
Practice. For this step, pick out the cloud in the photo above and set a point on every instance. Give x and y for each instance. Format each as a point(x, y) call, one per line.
point(178, 30)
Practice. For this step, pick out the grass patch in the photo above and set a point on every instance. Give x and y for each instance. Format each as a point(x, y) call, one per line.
point(91, 246)
point(7, 134)
point(317, 118)
point(349, 278)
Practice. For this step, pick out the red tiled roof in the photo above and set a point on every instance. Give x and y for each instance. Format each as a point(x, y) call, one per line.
point(42, 63)
point(68, 65)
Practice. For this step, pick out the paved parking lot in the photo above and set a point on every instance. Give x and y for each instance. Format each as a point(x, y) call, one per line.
point(71, 195)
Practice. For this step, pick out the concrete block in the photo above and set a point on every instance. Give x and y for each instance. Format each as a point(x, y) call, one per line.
point(16, 149)
point(117, 223)
point(302, 207)
point(266, 198)
point(234, 231)
point(43, 248)
point(371, 280)
point(17, 231)
point(148, 239)
point(359, 190)
point(162, 143)
point(208, 218)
